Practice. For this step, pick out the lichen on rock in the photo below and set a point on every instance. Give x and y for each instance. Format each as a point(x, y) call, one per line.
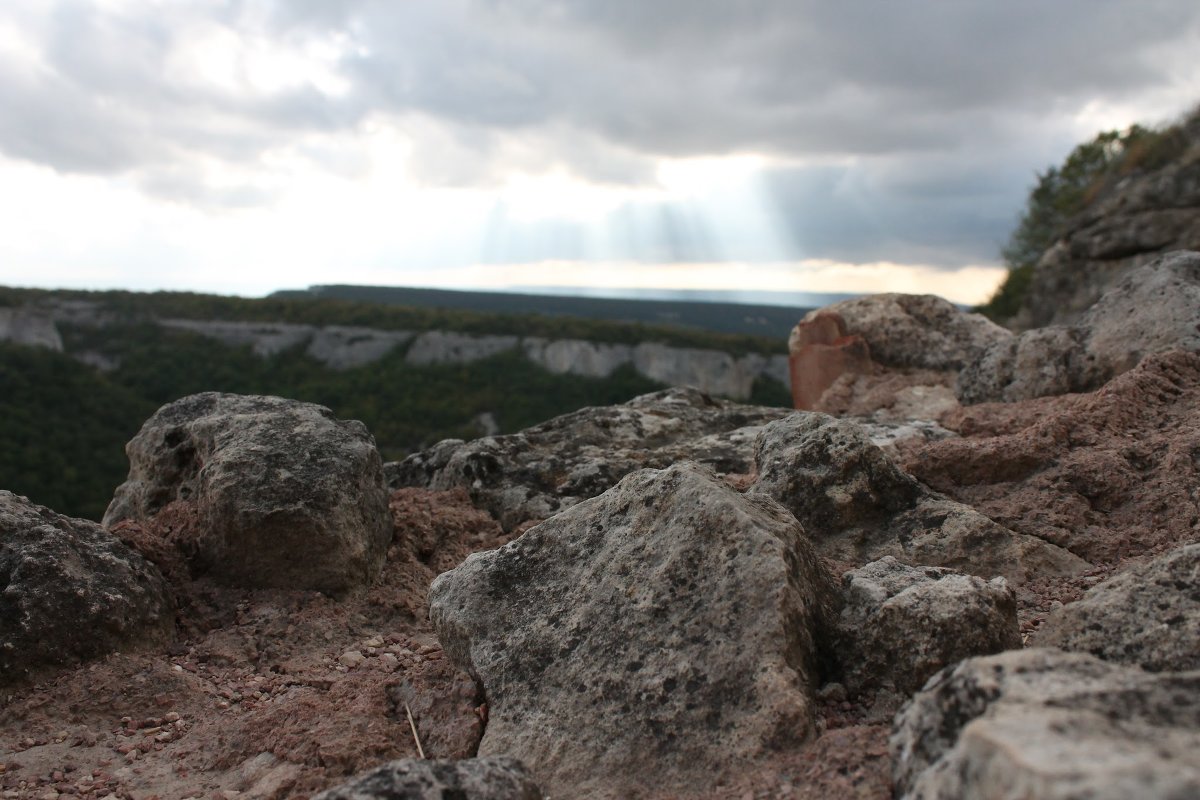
point(71, 592)
point(283, 494)
point(653, 638)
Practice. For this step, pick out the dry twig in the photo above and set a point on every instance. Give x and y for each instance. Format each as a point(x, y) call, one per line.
point(413, 725)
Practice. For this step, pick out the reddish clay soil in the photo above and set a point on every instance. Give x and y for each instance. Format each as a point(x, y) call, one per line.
point(265, 694)
point(1109, 475)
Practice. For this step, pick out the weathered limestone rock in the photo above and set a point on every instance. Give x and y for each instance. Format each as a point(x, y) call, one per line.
point(29, 327)
point(1050, 725)
point(820, 352)
point(1155, 308)
point(471, 779)
point(265, 338)
point(283, 494)
point(576, 356)
point(916, 330)
point(1037, 363)
point(710, 371)
point(540, 471)
point(1148, 616)
point(892, 395)
point(922, 341)
point(447, 347)
point(343, 348)
point(899, 624)
point(1105, 475)
point(72, 591)
point(858, 506)
point(647, 641)
point(897, 439)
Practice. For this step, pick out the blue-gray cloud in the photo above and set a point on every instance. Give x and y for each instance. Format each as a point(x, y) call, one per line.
point(918, 124)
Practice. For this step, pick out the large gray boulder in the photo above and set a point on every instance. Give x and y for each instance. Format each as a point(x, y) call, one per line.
point(1051, 725)
point(1148, 616)
point(276, 493)
point(900, 624)
point(542, 470)
point(858, 506)
point(1154, 308)
point(917, 330)
point(647, 641)
point(72, 591)
point(470, 779)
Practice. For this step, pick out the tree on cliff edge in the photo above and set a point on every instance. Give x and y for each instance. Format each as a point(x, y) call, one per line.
point(1059, 194)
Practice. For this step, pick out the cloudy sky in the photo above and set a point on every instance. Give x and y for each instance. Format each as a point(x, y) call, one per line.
point(240, 146)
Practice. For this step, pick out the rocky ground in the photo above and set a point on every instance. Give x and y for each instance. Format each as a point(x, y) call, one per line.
point(677, 597)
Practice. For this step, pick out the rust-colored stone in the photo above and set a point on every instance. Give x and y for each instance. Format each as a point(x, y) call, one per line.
point(820, 352)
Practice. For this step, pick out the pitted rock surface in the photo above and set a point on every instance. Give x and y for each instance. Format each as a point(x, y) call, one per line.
point(470, 779)
point(283, 494)
point(859, 506)
point(1155, 308)
point(72, 591)
point(1148, 616)
point(1106, 475)
point(542, 470)
point(899, 624)
point(651, 640)
point(916, 330)
point(1052, 725)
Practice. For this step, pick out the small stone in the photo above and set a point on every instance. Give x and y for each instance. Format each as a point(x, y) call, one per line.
point(351, 659)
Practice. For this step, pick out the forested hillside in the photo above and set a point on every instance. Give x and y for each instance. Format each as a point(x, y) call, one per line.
point(64, 423)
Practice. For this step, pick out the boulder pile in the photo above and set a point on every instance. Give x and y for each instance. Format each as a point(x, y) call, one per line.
point(895, 591)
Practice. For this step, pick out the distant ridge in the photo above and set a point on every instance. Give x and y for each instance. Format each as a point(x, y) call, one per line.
point(691, 309)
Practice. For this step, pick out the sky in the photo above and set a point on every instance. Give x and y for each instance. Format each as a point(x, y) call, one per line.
point(242, 146)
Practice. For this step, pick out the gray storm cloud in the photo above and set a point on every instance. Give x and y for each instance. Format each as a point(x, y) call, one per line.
point(901, 129)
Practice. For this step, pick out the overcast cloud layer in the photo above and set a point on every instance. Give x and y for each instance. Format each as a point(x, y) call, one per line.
point(899, 131)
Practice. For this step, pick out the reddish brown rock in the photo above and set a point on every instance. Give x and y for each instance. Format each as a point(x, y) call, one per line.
point(820, 352)
point(1107, 475)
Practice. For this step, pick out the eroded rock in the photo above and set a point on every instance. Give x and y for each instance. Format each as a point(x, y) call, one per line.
point(1134, 218)
point(648, 640)
point(1106, 475)
point(542, 470)
point(899, 624)
point(72, 591)
point(281, 493)
point(1155, 308)
point(920, 331)
point(29, 326)
point(471, 779)
point(1148, 616)
point(1051, 725)
point(859, 506)
point(819, 354)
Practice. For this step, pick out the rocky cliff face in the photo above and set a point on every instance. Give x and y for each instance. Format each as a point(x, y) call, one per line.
point(1133, 221)
point(29, 327)
point(341, 347)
